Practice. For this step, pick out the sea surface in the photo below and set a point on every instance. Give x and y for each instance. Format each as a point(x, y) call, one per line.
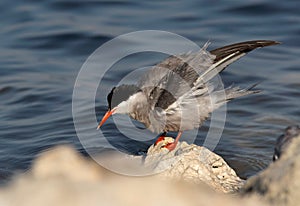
point(44, 45)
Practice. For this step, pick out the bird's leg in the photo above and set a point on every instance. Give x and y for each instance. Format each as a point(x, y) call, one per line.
point(161, 138)
point(172, 146)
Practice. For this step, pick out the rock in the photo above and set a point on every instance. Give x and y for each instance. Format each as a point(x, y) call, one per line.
point(194, 164)
point(64, 162)
point(279, 184)
point(62, 177)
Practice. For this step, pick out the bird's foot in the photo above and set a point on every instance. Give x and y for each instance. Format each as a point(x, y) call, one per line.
point(170, 146)
point(161, 138)
point(167, 143)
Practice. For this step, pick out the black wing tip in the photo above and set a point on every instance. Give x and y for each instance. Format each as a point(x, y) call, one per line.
point(263, 43)
point(246, 45)
point(254, 44)
point(241, 47)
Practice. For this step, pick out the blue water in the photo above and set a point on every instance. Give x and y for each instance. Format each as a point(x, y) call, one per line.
point(45, 43)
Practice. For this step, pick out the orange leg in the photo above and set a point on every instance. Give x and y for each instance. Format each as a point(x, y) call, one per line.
point(172, 146)
point(161, 138)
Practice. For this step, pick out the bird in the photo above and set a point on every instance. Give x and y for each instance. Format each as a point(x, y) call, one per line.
point(283, 142)
point(176, 94)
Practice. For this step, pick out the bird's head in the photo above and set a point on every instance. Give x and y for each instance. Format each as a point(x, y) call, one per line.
point(121, 100)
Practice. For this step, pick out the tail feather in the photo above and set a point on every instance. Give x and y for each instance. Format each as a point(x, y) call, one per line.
point(235, 92)
point(231, 93)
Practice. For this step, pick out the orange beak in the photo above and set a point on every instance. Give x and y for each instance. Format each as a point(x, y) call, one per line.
point(106, 116)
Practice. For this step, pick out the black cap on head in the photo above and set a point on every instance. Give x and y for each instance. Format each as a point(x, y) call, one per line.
point(120, 94)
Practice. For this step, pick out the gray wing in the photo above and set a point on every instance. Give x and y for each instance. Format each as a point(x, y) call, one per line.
point(173, 77)
point(176, 75)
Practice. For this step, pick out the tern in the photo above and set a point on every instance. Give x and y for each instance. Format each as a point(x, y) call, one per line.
point(177, 94)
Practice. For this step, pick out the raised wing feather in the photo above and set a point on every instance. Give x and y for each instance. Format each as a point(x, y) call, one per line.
point(176, 75)
point(173, 77)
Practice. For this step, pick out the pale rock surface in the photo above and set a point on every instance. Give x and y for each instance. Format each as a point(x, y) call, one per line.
point(61, 177)
point(193, 164)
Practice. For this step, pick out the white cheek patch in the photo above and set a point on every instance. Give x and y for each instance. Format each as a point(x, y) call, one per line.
point(123, 107)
